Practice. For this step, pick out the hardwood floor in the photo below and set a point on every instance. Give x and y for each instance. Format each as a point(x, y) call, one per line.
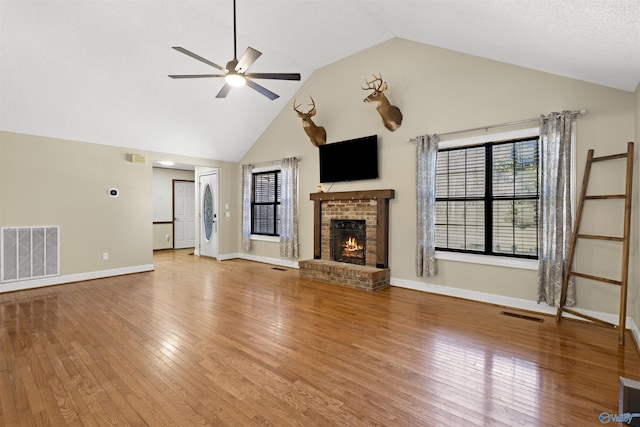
point(199, 342)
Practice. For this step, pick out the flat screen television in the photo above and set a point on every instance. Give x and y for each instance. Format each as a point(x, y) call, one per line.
point(350, 160)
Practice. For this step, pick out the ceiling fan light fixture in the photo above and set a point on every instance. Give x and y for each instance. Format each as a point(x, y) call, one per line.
point(234, 79)
point(234, 72)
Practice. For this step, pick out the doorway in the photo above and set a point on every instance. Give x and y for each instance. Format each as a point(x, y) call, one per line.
point(184, 216)
point(208, 215)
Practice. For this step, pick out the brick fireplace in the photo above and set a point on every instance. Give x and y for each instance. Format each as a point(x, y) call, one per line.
point(359, 215)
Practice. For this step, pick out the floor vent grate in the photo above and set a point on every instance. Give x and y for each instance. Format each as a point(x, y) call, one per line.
point(522, 316)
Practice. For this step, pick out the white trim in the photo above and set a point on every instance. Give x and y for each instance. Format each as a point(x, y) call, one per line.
point(631, 324)
point(270, 168)
point(198, 207)
point(516, 303)
point(262, 238)
point(490, 137)
point(523, 263)
point(78, 277)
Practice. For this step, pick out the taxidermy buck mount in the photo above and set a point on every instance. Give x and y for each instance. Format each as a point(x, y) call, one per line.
point(316, 134)
point(391, 115)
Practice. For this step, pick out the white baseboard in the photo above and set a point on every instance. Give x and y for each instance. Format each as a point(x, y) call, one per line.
point(631, 324)
point(224, 257)
point(267, 260)
point(517, 303)
point(69, 278)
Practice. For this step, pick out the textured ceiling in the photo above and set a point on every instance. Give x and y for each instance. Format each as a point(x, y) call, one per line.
point(96, 71)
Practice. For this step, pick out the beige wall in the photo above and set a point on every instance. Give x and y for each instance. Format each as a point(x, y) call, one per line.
point(162, 236)
point(440, 91)
point(48, 181)
point(57, 182)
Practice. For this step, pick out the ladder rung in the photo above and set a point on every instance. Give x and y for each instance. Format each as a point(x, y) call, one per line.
point(611, 157)
point(584, 316)
point(593, 236)
point(601, 279)
point(606, 196)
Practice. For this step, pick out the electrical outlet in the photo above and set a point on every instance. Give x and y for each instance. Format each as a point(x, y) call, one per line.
point(105, 256)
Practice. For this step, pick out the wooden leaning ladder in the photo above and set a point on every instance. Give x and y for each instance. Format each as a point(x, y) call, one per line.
point(622, 283)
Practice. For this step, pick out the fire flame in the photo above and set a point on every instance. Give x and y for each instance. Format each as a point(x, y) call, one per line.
point(352, 245)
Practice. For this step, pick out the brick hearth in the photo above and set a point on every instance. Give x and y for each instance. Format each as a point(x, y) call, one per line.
point(371, 206)
point(353, 276)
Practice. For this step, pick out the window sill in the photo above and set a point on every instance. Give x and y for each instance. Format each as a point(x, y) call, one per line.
point(262, 238)
point(526, 264)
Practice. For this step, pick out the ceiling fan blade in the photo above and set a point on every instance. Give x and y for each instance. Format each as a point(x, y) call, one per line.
point(274, 76)
point(263, 90)
point(224, 91)
point(194, 76)
point(198, 57)
point(248, 57)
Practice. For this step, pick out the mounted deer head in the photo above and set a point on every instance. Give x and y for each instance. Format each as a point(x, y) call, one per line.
point(317, 134)
point(391, 115)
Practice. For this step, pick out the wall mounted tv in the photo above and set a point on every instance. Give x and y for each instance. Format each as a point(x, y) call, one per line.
point(350, 160)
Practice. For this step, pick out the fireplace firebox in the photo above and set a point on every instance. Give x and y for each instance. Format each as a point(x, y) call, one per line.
point(348, 241)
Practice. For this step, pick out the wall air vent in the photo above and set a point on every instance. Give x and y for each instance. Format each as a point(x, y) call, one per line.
point(29, 253)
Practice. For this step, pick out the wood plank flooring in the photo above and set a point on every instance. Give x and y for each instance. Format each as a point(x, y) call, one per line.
point(198, 342)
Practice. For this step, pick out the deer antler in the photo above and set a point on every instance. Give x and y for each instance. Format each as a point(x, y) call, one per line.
point(311, 112)
point(295, 107)
point(371, 84)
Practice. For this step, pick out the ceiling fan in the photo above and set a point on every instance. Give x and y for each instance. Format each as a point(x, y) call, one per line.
point(235, 72)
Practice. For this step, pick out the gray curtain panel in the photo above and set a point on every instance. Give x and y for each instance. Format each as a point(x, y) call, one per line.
point(247, 171)
point(426, 154)
point(556, 139)
point(289, 208)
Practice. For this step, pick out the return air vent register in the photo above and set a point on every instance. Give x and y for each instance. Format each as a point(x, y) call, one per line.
point(29, 253)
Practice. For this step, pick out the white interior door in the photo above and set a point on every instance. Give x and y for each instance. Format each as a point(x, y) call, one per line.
point(208, 217)
point(184, 216)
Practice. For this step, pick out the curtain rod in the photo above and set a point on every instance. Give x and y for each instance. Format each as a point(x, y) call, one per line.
point(272, 162)
point(517, 122)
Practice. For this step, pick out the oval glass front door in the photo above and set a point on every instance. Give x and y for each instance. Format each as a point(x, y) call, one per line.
point(207, 212)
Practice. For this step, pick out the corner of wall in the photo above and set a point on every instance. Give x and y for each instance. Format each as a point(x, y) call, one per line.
point(634, 294)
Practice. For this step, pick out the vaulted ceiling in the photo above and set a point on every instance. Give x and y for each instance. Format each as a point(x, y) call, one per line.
point(96, 70)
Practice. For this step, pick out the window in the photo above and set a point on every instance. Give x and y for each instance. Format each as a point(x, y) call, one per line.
point(487, 199)
point(265, 203)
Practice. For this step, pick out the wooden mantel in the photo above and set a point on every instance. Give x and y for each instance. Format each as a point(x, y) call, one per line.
point(353, 195)
point(382, 219)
